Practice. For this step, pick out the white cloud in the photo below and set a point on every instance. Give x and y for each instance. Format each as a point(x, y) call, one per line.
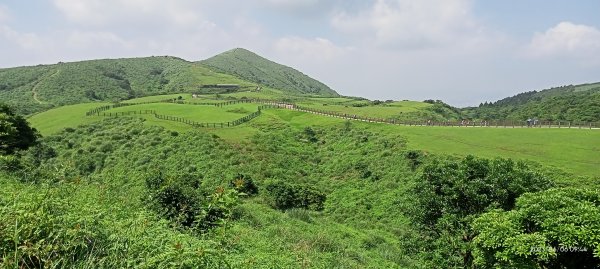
point(413, 24)
point(139, 12)
point(292, 4)
point(26, 41)
point(298, 8)
point(5, 13)
point(317, 49)
point(567, 39)
point(85, 40)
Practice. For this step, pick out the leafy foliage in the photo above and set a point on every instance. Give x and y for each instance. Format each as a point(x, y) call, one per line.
point(15, 132)
point(348, 198)
point(450, 194)
point(557, 228)
point(567, 103)
point(244, 184)
point(182, 200)
point(286, 196)
point(38, 88)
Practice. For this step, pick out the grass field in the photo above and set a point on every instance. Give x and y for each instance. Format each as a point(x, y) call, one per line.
point(199, 113)
point(55, 120)
point(381, 111)
point(572, 150)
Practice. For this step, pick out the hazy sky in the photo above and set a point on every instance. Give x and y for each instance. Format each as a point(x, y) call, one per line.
point(461, 51)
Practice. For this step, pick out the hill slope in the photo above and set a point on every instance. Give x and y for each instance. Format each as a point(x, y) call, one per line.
point(571, 103)
point(252, 67)
point(37, 88)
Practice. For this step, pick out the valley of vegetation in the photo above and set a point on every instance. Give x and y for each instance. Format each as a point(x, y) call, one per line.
point(172, 164)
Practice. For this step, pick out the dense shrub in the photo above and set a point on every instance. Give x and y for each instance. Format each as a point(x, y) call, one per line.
point(284, 196)
point(557, 228)
point(244, 184)
point(414, 157)
point(182, 200)
point(450, 194)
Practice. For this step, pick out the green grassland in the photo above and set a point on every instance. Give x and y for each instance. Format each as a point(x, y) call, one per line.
point(287, 189)
point(198, 113)
point(572, 150)
point(392, 110)
point(103, 173)
point(55, 120)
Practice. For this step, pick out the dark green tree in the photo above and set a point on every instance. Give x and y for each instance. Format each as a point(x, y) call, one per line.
point(15, 132)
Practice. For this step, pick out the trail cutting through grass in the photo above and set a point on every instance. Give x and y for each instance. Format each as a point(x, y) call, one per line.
point(37, 83)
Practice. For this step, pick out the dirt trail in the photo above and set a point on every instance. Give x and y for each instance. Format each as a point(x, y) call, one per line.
point(37, 83)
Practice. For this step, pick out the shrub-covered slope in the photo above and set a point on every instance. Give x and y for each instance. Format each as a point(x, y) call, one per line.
point(570, 103)
point(37, 88)
point(252, 67)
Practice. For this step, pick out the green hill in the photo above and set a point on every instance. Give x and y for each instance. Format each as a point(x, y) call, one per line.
point(38, 88)
point(570, 103)
point(252, 67)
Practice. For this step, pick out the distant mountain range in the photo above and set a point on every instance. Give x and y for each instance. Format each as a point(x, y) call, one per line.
point(38, 88)
point(568, 103)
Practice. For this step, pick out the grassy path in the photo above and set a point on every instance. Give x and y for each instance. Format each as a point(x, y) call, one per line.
point(37, 83)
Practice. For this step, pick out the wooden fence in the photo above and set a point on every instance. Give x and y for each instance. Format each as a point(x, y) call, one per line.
point(188, 121)
point(462, 123)
point(287, 105)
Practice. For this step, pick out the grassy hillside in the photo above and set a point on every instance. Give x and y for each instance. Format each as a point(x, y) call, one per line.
point(566, 103)
point(252, 67)
point(546, 146)
point(37, 88)
point(299, 191)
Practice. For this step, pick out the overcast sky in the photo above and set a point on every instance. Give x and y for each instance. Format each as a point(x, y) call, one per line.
point(461, 51)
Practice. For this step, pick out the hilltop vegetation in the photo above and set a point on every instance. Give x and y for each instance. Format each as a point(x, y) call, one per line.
point(250, 66)
point(37, 88)
point(566, 103)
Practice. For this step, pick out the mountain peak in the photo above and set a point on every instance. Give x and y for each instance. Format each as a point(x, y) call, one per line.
point(250, 66)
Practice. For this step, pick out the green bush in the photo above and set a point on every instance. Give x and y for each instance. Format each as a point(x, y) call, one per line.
point(286, 196)
point(9, 163)
point(244, 184)
point(182, 200)
point(450, 194)
point(557, 228)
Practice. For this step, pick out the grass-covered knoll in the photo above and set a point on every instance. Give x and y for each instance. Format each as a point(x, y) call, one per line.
point(252, 67)
point(566, 103)
point(37, 88)
point(55, 120)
